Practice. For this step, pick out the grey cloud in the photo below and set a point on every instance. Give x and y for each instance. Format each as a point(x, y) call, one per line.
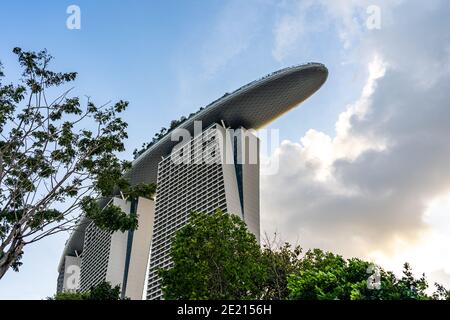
point(388, 190)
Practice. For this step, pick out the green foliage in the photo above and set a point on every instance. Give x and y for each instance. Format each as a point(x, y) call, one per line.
point(161, 134)
point(58, 157)
point(70, 295)
point(111, 217)
point(279, 264)
point(103, 291)
point(441, 293)
point(326, 276)
point(214, 257)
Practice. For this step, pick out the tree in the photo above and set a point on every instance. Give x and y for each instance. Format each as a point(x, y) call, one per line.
point(327, 276)
point(441, 292)
point(58, 158)
point(102, 291)
point(70, 295)
point(214, 257)
point(279, 260)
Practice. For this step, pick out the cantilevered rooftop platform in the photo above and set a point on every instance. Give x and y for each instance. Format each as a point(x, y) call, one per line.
point(252, 106)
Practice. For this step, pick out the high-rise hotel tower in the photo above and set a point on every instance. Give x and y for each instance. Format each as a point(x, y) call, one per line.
point(217, 169)
point(210, 161)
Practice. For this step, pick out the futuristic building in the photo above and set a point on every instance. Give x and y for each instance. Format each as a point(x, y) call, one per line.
point(215, 167)
point(92, 256)
point(215, 173)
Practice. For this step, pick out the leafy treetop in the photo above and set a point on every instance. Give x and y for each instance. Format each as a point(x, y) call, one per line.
point(58, 158)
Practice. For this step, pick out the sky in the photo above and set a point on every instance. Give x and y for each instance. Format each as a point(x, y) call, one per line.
point(363, 164)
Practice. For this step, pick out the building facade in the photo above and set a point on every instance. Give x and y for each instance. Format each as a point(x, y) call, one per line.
point(216, 167)
point(119, 258)
point(210, 171)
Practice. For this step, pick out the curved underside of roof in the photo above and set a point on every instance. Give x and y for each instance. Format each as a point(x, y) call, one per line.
point(74, 244)
point(252, 106)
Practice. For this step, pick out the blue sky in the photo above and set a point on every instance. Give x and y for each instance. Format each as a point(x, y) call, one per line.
point(169, 58)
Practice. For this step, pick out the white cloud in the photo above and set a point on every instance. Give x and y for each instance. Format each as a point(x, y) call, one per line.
point(368, 190)
point(305, 19)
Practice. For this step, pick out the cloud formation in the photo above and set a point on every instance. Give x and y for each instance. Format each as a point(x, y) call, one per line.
point(298, 27)
point(367, 191)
